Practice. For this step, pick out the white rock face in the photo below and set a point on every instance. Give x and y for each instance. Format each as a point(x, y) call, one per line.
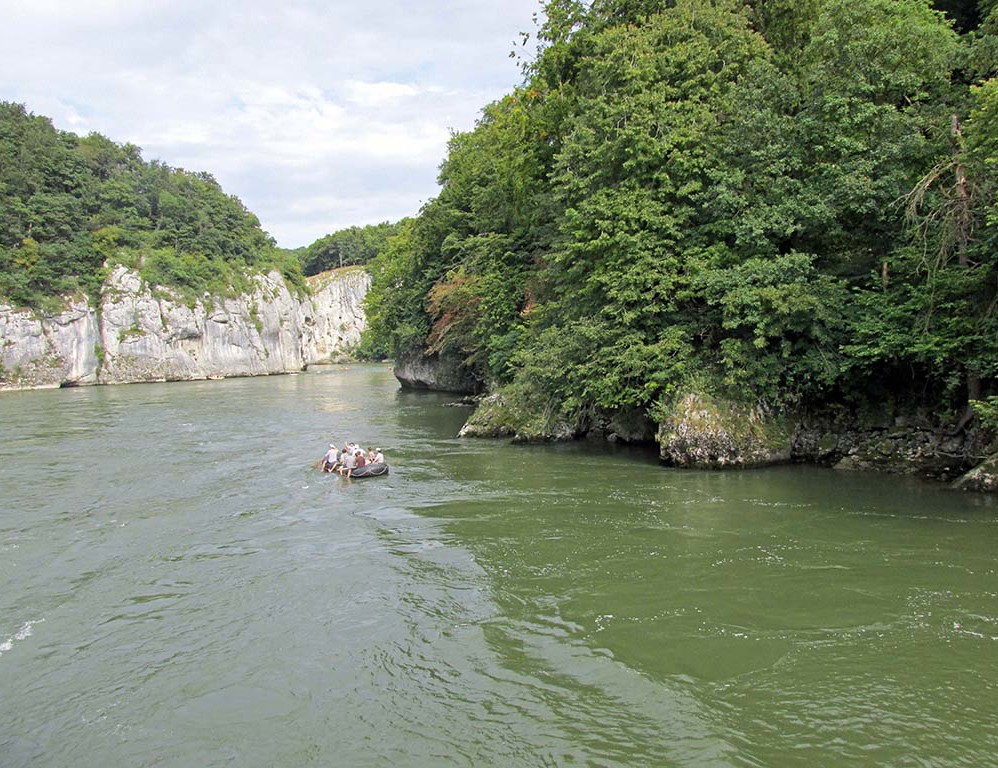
point(145, 335)
point(333, 319)
point(37, 351)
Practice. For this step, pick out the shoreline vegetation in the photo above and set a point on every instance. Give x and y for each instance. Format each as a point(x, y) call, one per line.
point(762, 232)
point(749, 232)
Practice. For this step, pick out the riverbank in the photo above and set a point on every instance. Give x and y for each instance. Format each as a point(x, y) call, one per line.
point(700, 431)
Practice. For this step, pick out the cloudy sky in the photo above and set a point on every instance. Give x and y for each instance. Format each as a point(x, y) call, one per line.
point(317, 114)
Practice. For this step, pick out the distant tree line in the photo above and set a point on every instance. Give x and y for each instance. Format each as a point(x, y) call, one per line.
point(786, 201)
point(346, 247)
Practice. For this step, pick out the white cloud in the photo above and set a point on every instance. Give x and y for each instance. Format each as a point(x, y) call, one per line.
point(379, 94)
point(318, 114)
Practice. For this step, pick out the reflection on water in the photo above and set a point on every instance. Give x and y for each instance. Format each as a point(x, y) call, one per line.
point(178, 587)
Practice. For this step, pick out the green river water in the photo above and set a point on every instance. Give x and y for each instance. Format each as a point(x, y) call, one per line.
point(179, 588)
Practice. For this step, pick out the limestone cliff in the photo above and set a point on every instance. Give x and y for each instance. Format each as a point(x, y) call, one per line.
point(333, 319)
point(136, 333)
point(38, 351)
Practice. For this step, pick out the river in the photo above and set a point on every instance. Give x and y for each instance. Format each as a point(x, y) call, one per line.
point(178, 587)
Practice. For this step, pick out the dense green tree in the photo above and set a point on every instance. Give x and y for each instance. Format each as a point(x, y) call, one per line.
point(347, 247)
point(712, 190)
point(70, 205)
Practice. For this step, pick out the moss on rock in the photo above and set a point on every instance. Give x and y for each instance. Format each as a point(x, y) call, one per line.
point(702, 431)
point(526, 418)
point(983, 477)
point(491, 418)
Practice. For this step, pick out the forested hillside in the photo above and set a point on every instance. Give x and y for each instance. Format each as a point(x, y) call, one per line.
point(347, 247)
point(785, 202)
point(70, 204)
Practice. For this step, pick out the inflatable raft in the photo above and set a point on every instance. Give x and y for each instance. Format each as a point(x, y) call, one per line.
point(370, 470)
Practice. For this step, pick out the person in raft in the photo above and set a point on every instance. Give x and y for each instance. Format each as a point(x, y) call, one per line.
point(330, 459)
point(347, 462)
point(351, 457)
point(359, 461)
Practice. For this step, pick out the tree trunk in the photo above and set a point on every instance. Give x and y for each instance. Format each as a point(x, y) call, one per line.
point(962, 215)
point(962, 206)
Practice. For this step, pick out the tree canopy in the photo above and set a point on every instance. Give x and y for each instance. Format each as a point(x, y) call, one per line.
point(788, 202)
point(346, 247)
point(70, 205)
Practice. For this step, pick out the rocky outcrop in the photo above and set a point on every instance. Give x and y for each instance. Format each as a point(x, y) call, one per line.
point(899, 446)
point(711, 433)
point(149, 338)
point(524, 422)
point(489, 419)
point(533, 420)
point(918, 452)
point(624, 425)
point(442, 373)
point(136, 333)
point(983, 477)
point(701, 431)
point(40, 351)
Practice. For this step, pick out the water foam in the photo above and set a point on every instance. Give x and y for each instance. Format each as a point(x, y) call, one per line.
point(22, 634)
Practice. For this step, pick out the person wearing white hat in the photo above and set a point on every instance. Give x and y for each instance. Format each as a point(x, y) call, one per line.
point(329, 459)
